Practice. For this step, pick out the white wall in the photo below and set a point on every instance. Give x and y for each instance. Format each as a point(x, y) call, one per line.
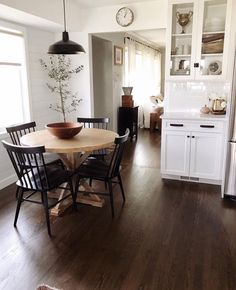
point(163, 57)
point(147, 15)
point(117, 72)
point(82, 84)
point(102, 78)
point(37, 45)
point(192, 96)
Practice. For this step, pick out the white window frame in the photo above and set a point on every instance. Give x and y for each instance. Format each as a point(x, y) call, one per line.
point(14, 29)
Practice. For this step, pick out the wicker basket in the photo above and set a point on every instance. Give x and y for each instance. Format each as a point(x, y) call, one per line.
point(213, 47)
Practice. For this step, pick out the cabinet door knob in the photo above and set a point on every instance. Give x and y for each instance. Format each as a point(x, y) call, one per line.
point(196, 64)
point(188, 136)
point(193, 136)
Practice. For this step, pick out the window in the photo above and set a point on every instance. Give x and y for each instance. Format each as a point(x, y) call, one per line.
point(143, 73)
point(14, 103)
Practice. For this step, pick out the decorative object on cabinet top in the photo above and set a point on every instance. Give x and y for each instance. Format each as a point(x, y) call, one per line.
point(212, 37)
point(127, 90)
point(218, 103)
point(216, 46)
point(183, 19)
point(215, 67)
point(219, 107)
point(205, 110)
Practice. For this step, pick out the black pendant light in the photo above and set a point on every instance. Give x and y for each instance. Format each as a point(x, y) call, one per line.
point(65, 46)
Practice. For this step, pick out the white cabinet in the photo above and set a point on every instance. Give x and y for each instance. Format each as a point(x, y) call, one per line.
point(199, 49)
point(176, 147)
point(192, 150)
point(205, 155)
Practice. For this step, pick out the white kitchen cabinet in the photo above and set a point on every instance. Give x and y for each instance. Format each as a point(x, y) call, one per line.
point(192, 150)
point(206, 155)
point(176, 147)
point(200, 52)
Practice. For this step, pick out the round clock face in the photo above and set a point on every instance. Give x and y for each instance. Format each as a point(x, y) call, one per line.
point(124, 16)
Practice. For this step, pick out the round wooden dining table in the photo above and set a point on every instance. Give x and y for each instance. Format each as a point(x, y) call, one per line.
point(73, 152)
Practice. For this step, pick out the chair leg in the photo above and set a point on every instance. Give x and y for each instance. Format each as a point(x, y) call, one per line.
point(77, 186)
point(19, 201)
point(121, 187)
point(17, 191)
point(73, 195)
point(105, 183)
point(111, 197)
point(45, 205)
point(90, 181)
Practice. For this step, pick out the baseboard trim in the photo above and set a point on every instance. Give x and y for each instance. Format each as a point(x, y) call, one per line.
point(7, 181)
point(189, 179)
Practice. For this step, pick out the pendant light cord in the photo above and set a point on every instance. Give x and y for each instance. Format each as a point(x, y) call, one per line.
point(64, 8)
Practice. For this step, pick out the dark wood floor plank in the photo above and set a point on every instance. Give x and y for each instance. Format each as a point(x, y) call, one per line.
point(169, 235)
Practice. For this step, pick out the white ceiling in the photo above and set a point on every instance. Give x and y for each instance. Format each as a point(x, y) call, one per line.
point(100, 3)
point(14, 15)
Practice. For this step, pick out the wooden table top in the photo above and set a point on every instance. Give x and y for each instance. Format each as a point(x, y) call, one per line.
point(87, 140)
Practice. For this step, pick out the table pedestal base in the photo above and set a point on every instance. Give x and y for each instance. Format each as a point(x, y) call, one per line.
point(85, 198)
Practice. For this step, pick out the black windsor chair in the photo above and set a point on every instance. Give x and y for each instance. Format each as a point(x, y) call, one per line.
point(105, 171)
point(17, 131)
point(37, 176)
point(99, 123)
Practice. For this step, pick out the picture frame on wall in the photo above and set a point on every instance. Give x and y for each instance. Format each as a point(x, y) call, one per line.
point(118, 55)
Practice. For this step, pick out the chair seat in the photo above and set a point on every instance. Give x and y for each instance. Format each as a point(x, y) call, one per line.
point(51, 158)
point(93, 168)
point(56, 175)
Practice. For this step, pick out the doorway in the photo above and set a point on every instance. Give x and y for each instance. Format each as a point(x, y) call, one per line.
point(108, 78)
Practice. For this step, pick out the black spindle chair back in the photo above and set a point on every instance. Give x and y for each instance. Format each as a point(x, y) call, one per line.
point(31, 173)
point(17, 131)
point(117, 154)
point(36, 176)
point(99, 123)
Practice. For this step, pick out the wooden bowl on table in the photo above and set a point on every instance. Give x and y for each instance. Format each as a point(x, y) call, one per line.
point(64, 130)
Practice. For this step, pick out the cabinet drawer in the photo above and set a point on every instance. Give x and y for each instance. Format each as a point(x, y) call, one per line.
point(196, 126)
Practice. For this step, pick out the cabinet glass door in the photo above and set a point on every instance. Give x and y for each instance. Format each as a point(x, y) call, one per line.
point(213, 34)
point(181, 39)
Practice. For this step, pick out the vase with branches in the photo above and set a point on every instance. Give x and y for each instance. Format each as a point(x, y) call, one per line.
point(60, 72)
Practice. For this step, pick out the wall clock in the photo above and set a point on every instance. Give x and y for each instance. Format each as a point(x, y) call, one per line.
point(124, 16)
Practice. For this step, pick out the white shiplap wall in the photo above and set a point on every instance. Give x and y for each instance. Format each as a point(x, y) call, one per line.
point(37, 43)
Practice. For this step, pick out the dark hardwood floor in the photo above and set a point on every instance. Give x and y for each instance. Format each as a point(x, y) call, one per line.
point(168, 235)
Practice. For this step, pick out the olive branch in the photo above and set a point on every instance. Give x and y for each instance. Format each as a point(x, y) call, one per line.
point(60, 72)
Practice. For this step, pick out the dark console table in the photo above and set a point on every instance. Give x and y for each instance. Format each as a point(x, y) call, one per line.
point(128, 118)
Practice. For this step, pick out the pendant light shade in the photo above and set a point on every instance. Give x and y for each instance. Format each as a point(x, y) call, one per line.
point(65, 46)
